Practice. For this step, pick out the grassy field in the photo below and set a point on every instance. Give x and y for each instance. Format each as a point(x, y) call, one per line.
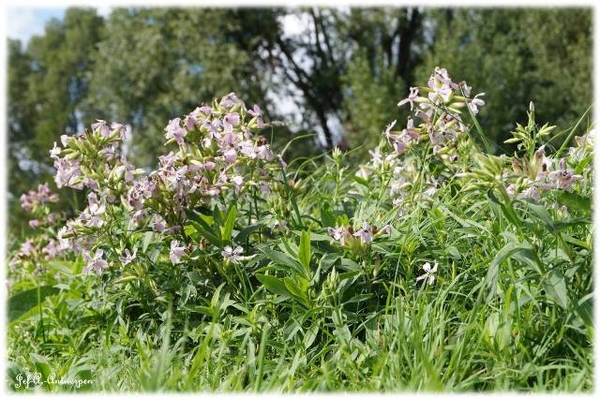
point(435, 266)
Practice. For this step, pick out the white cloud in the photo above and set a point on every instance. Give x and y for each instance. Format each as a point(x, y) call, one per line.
point(22, 23)
point(104, 11)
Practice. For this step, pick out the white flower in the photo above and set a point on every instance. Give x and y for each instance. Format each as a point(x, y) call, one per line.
point(429, 273)
point(96, 263)
point(338, 234)
point(176, 252)
point(364, 233)
point(233, 255)
point(128, 258)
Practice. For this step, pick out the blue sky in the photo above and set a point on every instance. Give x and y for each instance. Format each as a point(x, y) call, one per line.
point(24, 22)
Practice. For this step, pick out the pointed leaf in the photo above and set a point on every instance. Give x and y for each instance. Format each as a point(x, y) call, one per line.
point(556, 288)
point(274, 285)
point(304, 254)
point(227, 229)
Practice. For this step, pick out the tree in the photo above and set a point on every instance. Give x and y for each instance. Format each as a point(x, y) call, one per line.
point(47, 84)
point(156, 64)
point(516, 56)
point(387, 47)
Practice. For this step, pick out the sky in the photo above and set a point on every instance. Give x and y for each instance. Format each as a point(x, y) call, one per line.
point(24, 22)
point(27, 18)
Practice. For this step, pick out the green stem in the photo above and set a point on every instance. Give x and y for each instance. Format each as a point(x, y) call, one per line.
point(39, 298)
point(572, 133)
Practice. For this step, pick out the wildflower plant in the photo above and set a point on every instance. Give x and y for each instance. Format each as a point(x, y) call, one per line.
point(193, 200)
point(433, 249)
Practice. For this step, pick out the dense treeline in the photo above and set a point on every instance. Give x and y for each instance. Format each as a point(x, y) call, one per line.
point(144, 66)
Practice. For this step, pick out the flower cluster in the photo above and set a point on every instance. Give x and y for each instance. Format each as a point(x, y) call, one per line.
point(35, 198)
point(217, 154)
point(541, 174)
point(365, 234)
point(217, 159)
point(439, 115)
point(434, 127)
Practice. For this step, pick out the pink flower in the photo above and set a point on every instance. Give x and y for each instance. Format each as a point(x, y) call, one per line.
point(237, 181)
point(64, 139)
point(230, 138)
point(229, 101)
point(232, 255)
point(256, 112)
point(176, 252)
point(338, 234)
point(264, 152)
point(206, 110)
point(247, 149)
point(231, 120)
point(230, 155)
point(400, 147)
point(91, 183)
point(128, 258)
point(120, 128)
point(563, 178)
point(102, 127)
point(96, 263)
point(175, 131)
point(388, 131)
point(476, 102)
point(27, 248)
point(55, 151)
point(414, 93)
point(192, 119)
point(532, 192)
point(42, 196)
point(364, 233)
point(158, 224)
point(67, 173)
point(51, 250)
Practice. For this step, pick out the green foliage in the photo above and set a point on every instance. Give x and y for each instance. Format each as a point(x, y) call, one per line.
point(143, 66)
point(515, 57)
point(435, 266)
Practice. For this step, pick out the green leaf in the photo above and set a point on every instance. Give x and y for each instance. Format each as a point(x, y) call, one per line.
point(147, 240)
point(42, 364)
point(575, 201)
point(585, 311)
point(304, 253)
point(328, 260)
point(507, 209)
point(556, 288)
point(491, 326)
point(197, 220)
point(227, 229)
point(506, 252)
point(542, 214)
point(310, 335)
point(20, 303)
point(350, 265)
point(244, 233)
point(281, 259)
point(298, 287)
point(360, 180)
point(327, 217)
point(274, 285)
